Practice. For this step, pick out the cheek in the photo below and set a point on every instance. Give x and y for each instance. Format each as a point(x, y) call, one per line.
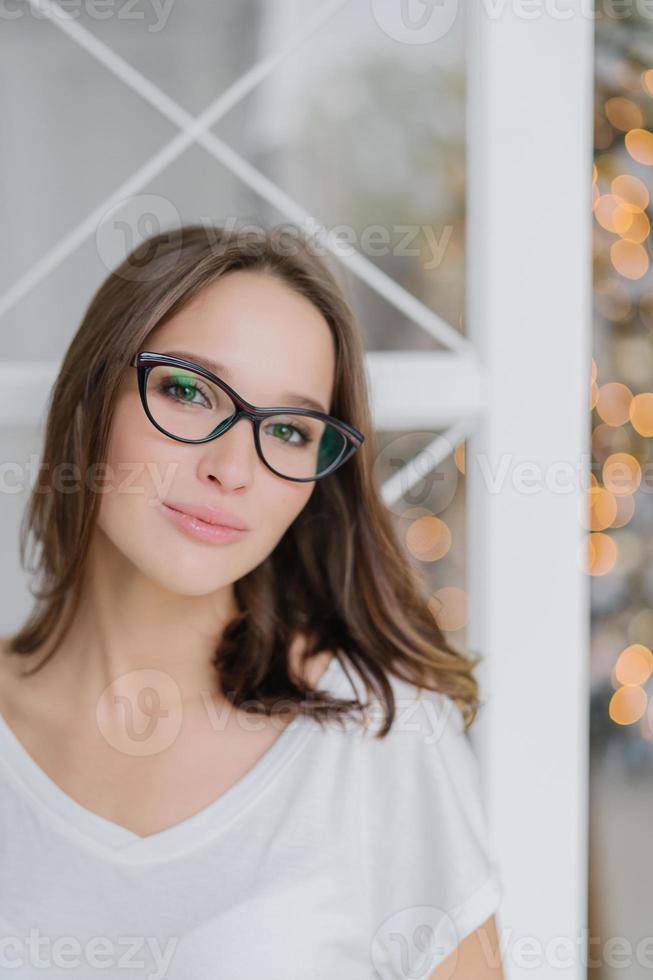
point(276, 505)
point(140, 468)
point(141, 464)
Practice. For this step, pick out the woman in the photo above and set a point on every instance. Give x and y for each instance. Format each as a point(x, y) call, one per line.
point(193, 779)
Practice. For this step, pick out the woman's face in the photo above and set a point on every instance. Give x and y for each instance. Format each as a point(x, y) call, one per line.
point(271, 341)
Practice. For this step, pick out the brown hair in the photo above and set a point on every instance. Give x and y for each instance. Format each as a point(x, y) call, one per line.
point(338, 576)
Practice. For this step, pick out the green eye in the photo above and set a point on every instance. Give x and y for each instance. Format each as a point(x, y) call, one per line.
point(285, 433)
point(184, 388)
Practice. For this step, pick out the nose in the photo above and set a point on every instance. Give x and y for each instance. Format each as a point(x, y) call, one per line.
point(231, 458)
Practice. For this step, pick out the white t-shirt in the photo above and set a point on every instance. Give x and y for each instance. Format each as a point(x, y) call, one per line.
point(336, 857)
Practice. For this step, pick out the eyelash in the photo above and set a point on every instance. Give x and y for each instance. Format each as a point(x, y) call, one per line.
point(166, 386)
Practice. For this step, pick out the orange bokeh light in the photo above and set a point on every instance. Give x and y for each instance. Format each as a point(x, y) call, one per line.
point(428, 538)
point(629, 259)
point(622, 474)
point(613, 403)
point(601, 509)
point(627, 705)
point(598, 554)
point(638, 228)
point(641, 413)
point(623, 113)
point(634, 665)
point(631, 192)
point(450, 608)
point(647, 80)
point(639, 143)
point(594, 394)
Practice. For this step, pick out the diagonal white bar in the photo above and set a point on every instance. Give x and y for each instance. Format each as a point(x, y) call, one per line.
point(196, 129)
point(190, 127)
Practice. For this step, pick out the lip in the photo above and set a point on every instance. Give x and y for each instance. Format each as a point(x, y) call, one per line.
point(205, 523)
point(209, 515)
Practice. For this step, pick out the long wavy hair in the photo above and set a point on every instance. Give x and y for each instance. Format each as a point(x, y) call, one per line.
point(339, 576)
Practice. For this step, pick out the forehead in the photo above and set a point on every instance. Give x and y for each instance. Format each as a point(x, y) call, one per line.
point(265, 333)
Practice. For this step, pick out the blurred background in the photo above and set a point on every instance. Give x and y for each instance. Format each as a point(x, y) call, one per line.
point(347, 116)
point(620, 521)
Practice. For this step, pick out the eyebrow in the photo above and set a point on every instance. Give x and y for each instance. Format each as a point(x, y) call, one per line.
point(289, 398)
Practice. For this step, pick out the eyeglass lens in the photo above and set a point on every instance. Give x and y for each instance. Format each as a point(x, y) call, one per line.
point(189, 406)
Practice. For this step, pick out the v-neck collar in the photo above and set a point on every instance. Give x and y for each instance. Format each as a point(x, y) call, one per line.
point(120, 844)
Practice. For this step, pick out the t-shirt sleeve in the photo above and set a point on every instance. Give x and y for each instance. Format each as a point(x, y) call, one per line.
point(428, 860)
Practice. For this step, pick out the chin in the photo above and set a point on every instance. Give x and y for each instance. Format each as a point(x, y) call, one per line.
point(185, 571)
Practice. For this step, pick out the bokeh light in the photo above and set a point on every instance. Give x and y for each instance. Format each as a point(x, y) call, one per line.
point(625, 510)
point(613, 403)
point(622, 473)
point(639, 143)
point(631, 192)
point(623, 113)
point(601, 509)
point(629, 259)
point(641, 413)
point(598, 553)
point(627, 705)
point(428, 538)
point(634, 665)
point(594, 394)
point(450, 608)
point(647, 80)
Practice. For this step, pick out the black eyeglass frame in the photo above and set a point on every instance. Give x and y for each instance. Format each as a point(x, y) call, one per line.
point(144, 361)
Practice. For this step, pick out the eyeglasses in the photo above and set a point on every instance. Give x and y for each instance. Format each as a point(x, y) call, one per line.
point(190, 404)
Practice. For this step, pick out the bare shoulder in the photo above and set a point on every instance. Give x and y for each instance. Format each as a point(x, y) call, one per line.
point(477, 956)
